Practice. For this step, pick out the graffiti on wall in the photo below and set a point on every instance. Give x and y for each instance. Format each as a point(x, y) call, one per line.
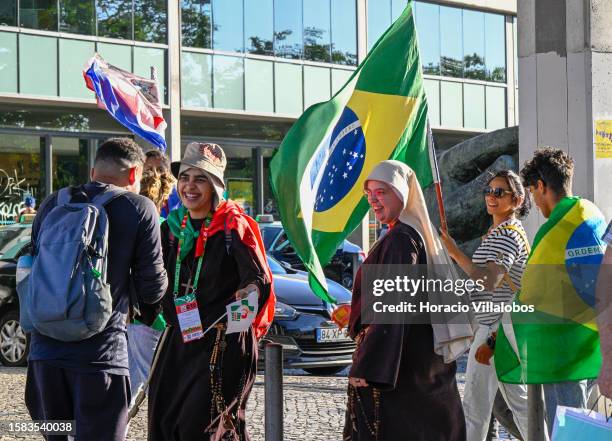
point(13, 189)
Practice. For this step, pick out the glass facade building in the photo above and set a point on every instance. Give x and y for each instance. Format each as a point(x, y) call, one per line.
point(237, 72)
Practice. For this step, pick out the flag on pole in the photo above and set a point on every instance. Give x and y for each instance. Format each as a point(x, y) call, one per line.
point(317, 175)
point(132, 100)
point(559, 340)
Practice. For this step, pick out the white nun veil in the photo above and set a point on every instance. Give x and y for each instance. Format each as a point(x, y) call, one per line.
point(452, 338)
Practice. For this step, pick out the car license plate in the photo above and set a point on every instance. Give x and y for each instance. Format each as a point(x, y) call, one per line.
point(327, 335)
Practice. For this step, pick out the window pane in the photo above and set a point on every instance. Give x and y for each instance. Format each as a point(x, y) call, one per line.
point(35, 52)
point(288, 28)
point(379, 19)
point(259, 78)
point(317, 30)
point(73, 54)
point(8, 62)
point(116, 54)
point(196, 79)
point(269, 200)
point(288, 85)
point(228, 73)
point(397, 7)
point(428, 29)
point(496, 108)
point(227, 25)
point(344, 32)
point(432, 90)
point(8, 13)
point(452, 104)
point(195, 19)
point(150, 20)
point(474, 106)
point(144, 58)
point(495, 47)
point(22, 171)
point(316, 85)
point(38, 14)
point(474, 44)
point(69, 162)
point(59, 118)
point(239, 177)
point(259, 26)
point(78, 17)
point(115, 18)
point(451, 48)
point(514, 35)
point(339, 78)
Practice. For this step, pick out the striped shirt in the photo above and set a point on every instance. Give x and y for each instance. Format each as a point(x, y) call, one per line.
point(505, 247)
point(607, 237)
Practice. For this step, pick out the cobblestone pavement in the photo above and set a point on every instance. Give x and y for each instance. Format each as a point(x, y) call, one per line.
point(314, 406)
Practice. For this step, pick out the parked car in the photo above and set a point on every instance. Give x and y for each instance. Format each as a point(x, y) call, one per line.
point(14, 343)
point(342, 267)
point(302, 323)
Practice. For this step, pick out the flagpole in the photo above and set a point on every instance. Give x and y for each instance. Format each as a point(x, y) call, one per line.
point(435, 171)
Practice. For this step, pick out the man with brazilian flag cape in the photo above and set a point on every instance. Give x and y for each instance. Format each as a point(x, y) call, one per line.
point(317, 175)
point(559, 340)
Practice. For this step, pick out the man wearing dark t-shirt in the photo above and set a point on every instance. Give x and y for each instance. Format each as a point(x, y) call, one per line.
point(88, 381)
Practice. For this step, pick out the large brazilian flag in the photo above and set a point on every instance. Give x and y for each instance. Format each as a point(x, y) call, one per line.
point(318, 173)
point(559, 341)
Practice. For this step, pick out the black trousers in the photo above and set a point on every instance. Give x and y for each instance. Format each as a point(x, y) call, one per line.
point(98, 402)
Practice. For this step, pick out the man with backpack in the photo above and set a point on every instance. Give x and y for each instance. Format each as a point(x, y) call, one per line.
point(94, 248)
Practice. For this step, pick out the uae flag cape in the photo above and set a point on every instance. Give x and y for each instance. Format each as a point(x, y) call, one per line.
point(227, 217)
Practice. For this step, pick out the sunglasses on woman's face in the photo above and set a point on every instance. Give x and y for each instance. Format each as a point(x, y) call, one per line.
point(496, 192)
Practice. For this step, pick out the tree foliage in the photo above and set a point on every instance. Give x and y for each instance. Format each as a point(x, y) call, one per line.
point(115, 18)
point(197, 24)
point(78, 17)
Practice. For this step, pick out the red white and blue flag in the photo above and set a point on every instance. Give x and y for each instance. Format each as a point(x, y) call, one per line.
point(132, 100)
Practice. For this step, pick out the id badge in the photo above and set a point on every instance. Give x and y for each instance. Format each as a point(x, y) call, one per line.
point(189, 318)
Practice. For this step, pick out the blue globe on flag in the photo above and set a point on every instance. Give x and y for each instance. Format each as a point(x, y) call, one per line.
point(346, 158)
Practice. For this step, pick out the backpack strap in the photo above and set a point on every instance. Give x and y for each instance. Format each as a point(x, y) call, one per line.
point(523, 237)
point(110, 193)
point(510, 283)
point(228, 237)
point(64, 196)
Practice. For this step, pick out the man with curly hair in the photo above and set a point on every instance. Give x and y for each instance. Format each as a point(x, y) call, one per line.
point(549, 175)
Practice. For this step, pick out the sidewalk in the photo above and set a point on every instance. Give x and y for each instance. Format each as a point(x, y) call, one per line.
point(314, 406)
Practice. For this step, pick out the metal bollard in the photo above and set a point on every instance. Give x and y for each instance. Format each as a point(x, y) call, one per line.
point(273, 387)
point(536, 426)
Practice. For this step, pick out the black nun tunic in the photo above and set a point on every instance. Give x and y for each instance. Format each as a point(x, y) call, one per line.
point(196, 382)
point(412, 394)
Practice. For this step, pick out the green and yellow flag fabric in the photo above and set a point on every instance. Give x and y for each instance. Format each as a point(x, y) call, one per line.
point(559, 340)
point(318, 173)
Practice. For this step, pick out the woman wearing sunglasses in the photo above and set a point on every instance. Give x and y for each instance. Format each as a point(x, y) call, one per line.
point(499, 261)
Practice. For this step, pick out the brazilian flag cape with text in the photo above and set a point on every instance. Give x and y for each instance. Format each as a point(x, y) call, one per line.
point(559, 340)
point(318, 173)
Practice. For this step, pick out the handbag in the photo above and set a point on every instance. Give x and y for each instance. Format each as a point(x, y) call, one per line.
point(572, 424)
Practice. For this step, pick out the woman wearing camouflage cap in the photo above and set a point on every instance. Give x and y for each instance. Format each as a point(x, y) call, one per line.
point(213, 254)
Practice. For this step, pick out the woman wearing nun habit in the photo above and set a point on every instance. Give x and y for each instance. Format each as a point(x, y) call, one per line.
point(214, 254)
point(402, 381)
